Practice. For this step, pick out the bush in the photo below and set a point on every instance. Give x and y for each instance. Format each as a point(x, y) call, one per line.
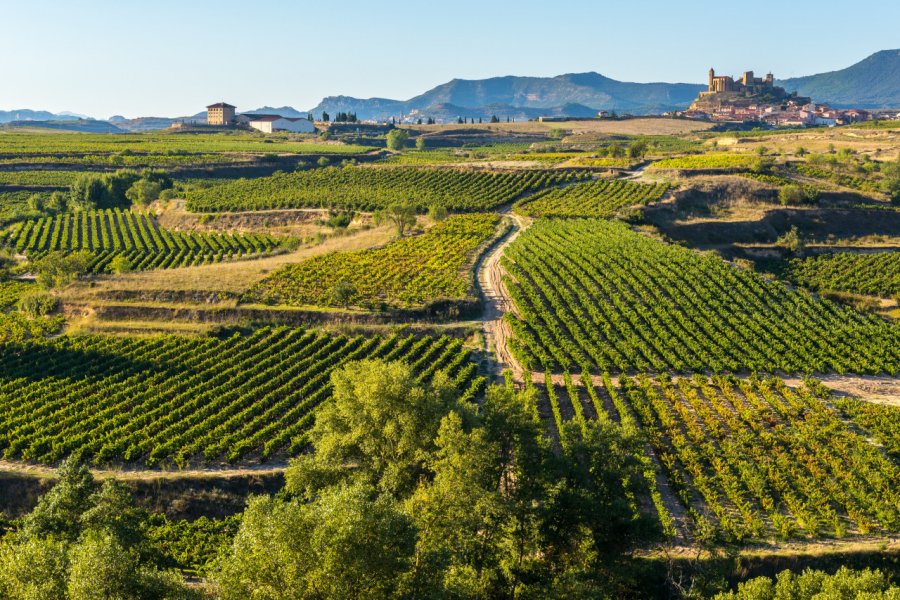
point(397, 139)
point(796, 194)
point(58, 269)
point(37, 304)
point(120, 264)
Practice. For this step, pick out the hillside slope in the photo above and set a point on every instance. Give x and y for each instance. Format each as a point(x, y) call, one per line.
point(874, 82)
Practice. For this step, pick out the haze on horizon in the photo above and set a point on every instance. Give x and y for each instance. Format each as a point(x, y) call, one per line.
point(168, 58)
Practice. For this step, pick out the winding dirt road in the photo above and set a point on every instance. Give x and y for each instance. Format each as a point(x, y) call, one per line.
point(497, 302)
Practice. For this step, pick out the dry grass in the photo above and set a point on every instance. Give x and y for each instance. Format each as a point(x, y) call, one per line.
point(879, 144)
point(233, 277)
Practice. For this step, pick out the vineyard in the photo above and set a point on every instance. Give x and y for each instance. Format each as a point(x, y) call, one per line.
point(707, 161)
point(21, 145)
point(601, 198)
point(136, 236)
point(882, 421)
point(847, 180)
point(874, 274)
point(593, 294)
point(408, 271)
point(366, 188)
point(10, 292)
point(49, 178)
point(181, 400)
point(750, 458)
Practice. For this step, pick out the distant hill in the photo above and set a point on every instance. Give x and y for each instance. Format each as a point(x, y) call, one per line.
point(82, 125)
point(284, 111)
point(874, 82)
point(25, 114)
point(585, 93)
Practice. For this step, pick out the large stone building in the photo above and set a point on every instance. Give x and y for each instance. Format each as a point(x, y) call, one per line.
point(220, 114)
point(747, 84)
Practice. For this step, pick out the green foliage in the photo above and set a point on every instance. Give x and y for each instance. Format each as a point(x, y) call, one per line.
point(600, 198)
point(437, 213)
point(119, 189)
point(143, 191)
point(347, 544)
point(753, 453)
point(714, 162)
point(400, 215)
point(791, 241)
point(119, 265)
point(58, 269)
point(882, 421)
point(97, 238)
point(371, 188)
point(37, 303)
point(589, 291)
point(397, 139)
point(846, 584)
point(454, 500)
point(411, 271)
point(83, 541)
point(874, 274)
point(191, 546)
point(181, 400)
point(792, 195)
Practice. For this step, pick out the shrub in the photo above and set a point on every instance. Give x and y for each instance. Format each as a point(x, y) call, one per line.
point(37, 304)
point(397, 139)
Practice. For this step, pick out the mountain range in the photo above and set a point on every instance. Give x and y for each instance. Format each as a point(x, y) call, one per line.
point(871, 83)
point(874, 82)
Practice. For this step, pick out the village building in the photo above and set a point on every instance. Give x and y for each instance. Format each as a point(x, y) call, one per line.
point(273, 123)
point(220, 113)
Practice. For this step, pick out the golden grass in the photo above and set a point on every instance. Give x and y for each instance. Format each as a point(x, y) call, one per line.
point(234, 277)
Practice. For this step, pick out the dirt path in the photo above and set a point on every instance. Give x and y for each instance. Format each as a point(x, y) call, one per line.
point(141, 474)
point(497, 302)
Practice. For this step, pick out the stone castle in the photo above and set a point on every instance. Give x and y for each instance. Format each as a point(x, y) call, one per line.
point(745, 91)
point(747, 84)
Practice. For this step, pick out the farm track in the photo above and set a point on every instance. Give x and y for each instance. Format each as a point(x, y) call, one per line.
point(128, 474)
point(497, 301)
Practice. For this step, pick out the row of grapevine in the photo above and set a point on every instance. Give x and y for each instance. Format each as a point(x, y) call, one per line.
point(600, 198)
point(368, 188)
point(594, 294)
point(753, 458)
point(113, 232)
point(407, 271)
point(875, 274)
point(187, 400)
point(715, 162)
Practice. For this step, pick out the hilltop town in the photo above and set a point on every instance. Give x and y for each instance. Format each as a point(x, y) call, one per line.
point(758, 99)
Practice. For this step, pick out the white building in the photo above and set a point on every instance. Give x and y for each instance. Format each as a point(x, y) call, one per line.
point(273, 123)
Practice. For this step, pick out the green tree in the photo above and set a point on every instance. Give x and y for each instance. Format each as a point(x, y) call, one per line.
point(638, 148)
point(343, 292)
point(119, 265)
point(34, 569)
point(421, 143)
point(58, 269)
point(37, 304)
point(381, 421)
point(437, 213)
point(400, 215)
point(57, 203)
point(142, 192)
point(397, 139)
point(791, 241)
point(349, 543)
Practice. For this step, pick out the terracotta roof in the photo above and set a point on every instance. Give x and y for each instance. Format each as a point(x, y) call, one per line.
point(221, 105)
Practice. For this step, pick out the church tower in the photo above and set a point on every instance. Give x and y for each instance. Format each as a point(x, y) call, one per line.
point(712, 75)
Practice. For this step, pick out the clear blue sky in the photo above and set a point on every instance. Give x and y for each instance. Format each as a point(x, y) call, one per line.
point(170, 57)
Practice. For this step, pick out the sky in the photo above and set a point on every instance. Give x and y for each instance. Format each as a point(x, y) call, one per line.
point(173, 57)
